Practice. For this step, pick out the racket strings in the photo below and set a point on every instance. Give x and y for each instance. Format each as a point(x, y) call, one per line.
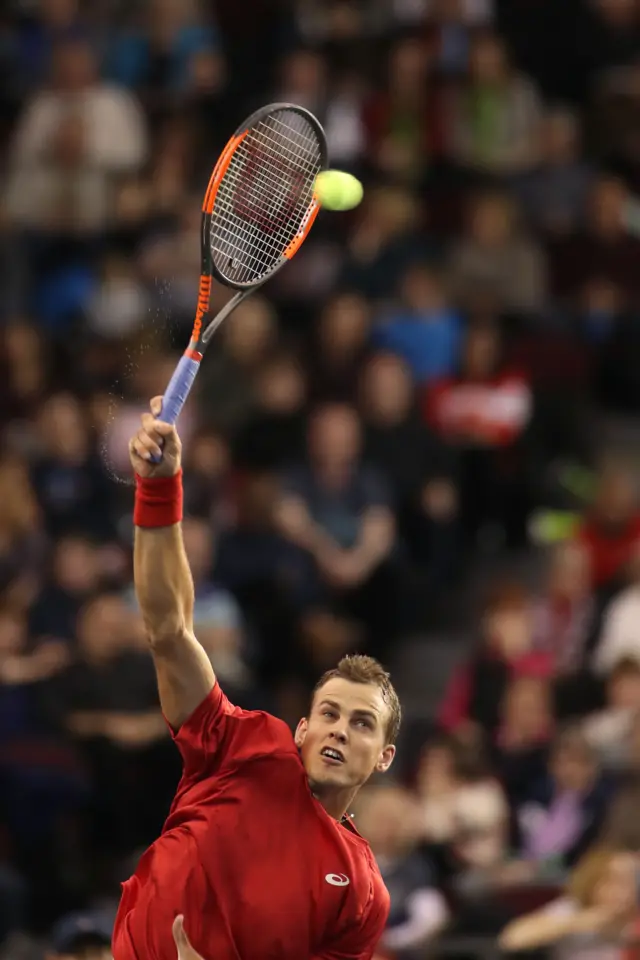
point(264, 196)
point(269, 184)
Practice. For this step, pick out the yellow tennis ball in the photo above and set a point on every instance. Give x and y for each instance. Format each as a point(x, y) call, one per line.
point(337, 190)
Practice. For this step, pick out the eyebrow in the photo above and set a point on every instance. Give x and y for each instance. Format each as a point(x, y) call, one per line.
point(359, 712)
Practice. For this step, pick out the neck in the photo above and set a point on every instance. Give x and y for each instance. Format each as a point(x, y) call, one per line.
point(335, 802)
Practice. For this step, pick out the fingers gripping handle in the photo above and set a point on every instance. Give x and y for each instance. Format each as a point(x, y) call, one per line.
point(178, 389)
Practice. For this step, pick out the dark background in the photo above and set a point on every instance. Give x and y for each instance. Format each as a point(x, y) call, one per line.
point(462, 350)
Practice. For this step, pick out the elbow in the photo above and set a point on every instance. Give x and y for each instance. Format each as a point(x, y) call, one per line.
point(166, 634)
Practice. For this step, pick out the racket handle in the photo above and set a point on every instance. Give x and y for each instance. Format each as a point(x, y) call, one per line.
point(178, 390)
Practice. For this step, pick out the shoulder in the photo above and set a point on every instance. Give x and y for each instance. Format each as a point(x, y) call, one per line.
point(219, 728)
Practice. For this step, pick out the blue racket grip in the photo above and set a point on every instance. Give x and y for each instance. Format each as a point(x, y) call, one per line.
point(177, 391)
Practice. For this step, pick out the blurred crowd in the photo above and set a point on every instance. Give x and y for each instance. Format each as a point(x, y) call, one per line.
point(429, 389)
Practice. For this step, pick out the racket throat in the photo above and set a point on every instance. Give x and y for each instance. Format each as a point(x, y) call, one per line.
point(192, 351)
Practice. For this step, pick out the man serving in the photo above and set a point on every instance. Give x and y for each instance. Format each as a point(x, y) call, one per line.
point(258, 854)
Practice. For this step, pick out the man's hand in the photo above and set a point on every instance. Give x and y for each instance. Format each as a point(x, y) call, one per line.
point(185, 950)
point(155, 438)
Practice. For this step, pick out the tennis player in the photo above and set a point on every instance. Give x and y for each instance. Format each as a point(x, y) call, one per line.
point(258, 853)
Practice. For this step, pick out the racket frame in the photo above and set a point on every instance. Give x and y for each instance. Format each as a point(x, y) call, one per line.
point(184, 375)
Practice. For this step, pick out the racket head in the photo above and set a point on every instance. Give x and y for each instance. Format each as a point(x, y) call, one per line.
point(260, 203)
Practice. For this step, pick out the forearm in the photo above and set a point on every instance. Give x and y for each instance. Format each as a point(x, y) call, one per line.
point(376, 537)
point(163, 582)
point(541, 929)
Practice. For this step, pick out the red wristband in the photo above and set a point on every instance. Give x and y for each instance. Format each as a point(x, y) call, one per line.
point(158, 501)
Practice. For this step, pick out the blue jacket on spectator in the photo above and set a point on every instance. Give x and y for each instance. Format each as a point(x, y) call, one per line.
point(429, 345)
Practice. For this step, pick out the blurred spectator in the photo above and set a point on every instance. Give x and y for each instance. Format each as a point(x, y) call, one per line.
point(344, 125)
point(463, 806)
point(264, 572)
point(615, 116)
point(74, 576)
point(388, 817)
point(496, 115)
point(207, 478)
point(564, 811)
point(69, 478)
point(565, 611)
point(111, 708)
point(275, 434)
point(496, 258)
point(553, 195)
point(609, 731)
point(404, 122)
point(25, 375)
point(619, 638)
point(614, 35)
point(42, 782)
point(157, 60)
point(611, 529)
point(475, 13)
point(21, 541)
point(119, 304)
point(338, 510)
point(339, 346)
point(609, 321)
point(621, 829)
point(419, 468)
point(600, 905)
point(450, 26)
point(73, 138)
point(478, 688)
point(484, 414)
point(228, 382)
point(13, 896)
point(424, 329)
point(81, 936)
point(526, 727)
point(56, 21)
point(605, 250)
point(386, 239)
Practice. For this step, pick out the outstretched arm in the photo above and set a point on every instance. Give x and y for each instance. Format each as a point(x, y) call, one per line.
point(162, 578)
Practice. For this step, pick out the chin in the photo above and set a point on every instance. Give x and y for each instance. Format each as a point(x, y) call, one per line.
point(326, 779)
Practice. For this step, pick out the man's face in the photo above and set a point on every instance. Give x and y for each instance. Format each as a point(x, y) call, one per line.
point(350, 719)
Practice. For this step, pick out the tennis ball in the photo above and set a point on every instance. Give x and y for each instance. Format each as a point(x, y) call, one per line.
point(337, 190)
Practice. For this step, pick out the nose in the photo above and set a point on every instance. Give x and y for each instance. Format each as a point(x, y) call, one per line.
point(339, 734)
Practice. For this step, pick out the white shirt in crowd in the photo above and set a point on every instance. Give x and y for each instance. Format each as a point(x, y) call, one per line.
point(620, 636)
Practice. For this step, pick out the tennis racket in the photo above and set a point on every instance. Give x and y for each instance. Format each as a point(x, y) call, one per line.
point(258, 209)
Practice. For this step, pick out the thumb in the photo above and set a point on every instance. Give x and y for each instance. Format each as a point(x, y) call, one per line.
point(180, 936)
point(156, 406)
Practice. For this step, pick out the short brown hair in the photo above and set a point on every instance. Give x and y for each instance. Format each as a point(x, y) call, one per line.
point(588, 872)
point(358, 668)
point(625, 667)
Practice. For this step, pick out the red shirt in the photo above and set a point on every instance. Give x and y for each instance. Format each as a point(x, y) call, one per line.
point(249, 856)
point(609, 551)
point(494, 412)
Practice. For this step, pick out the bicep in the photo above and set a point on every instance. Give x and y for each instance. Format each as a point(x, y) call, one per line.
point(185, 677)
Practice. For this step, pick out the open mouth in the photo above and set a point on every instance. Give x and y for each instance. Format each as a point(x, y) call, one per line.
point(332, 755)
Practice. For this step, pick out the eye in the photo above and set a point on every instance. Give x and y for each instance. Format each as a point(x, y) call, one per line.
point(328, 713)
point(364, 723)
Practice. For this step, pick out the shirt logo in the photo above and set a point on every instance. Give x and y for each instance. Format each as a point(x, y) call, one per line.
point(337, 879)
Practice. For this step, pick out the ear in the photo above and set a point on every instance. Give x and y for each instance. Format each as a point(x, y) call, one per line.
point(386, 758)
point(301, 732)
